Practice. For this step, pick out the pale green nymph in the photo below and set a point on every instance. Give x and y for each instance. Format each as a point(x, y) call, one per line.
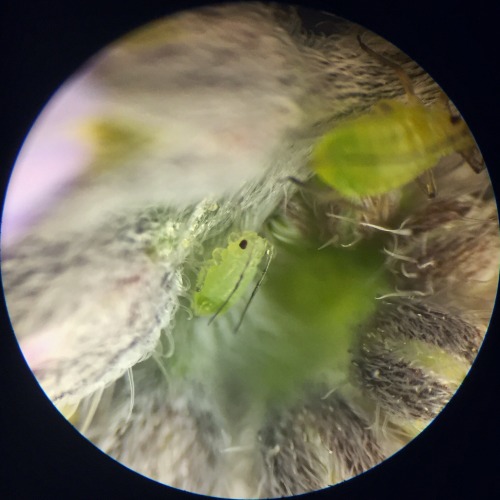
point(224, 278)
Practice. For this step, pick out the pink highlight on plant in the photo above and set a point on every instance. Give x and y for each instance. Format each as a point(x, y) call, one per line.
point(52, 158)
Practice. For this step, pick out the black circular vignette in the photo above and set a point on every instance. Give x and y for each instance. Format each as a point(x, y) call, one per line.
point(44, 43)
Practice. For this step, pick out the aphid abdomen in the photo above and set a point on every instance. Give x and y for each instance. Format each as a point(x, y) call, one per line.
point(224, 268)
point(387, 148)
point(223, 280)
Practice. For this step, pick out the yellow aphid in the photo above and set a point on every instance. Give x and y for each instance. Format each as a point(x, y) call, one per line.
point(390, 146)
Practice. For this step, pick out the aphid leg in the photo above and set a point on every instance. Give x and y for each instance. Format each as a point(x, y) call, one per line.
point(474, 160)
point(236, 286)
point(472, 156)
point(269, 253)
point(402, 75)
point(428, 184)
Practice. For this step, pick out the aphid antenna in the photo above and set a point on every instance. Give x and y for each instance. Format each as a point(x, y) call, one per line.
point(269, 253)
point(233, 291)
point(401, 73)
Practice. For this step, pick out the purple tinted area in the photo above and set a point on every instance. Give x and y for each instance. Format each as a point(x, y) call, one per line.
point(53, 157)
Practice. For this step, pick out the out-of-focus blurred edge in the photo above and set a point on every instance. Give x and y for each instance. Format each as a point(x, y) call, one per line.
point(43, 44)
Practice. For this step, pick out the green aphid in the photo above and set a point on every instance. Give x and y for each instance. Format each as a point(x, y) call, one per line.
point(390, 146)
point(224, 279)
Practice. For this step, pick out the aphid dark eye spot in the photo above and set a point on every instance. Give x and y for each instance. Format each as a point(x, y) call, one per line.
point(243, 244)
point(454, 119)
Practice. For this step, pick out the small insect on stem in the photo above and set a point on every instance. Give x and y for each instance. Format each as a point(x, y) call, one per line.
point(223, 280)
point(392, 145)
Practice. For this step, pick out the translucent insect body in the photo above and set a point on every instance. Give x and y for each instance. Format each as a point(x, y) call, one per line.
point(390, 146)
point(223, 280)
